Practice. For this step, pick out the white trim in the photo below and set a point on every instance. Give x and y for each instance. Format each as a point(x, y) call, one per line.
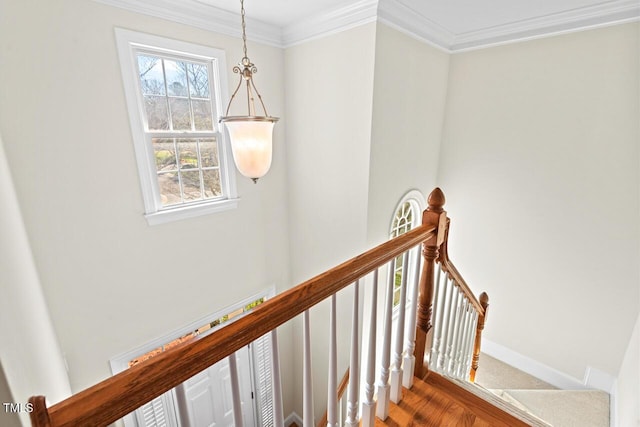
point(190, 211)
point(418, 203)
point(293, 418)
point(404, 19)
point(390, 12)
point(414, 35)
point(120, 362)
point(128, 43)
point(599, 380)
point(596, 379)
point(613, 406)
point(330, 22)
point(414, 196)
point(203, 16)
point(542, 35)
point(593, 379)
point(579, 19)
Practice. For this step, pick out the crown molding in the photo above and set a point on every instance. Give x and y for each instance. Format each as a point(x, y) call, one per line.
point(584, 18)
point(330, 22)
point(404, 19)
point(395, 13)
point(200, 15)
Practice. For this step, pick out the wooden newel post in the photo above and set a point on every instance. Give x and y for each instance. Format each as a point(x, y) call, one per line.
point(435, 216)
point(39, 414)
point(482, 317)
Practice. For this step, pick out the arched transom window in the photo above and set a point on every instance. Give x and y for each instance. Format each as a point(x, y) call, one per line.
point(407, 216)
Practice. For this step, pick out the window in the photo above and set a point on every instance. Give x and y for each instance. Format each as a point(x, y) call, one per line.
point(255, 375)
point(174, 94)
point(407, 216)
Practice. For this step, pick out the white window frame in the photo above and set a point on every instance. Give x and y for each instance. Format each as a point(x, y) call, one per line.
point(418, 203)
point(168, 400)
point(129, 43)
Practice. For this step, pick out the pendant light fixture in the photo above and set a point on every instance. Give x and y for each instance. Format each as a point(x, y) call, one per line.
point(251, 135)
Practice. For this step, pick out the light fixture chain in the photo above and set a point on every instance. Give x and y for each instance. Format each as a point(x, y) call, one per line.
point(244, 29)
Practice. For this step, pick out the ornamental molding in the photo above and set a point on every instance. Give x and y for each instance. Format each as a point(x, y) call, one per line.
point(390, 12)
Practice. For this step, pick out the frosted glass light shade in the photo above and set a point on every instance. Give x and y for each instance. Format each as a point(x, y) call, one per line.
point(251, 144)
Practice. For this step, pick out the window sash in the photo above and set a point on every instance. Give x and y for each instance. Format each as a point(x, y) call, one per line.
point(212, 75)
point(180, 170)
point(130, 44)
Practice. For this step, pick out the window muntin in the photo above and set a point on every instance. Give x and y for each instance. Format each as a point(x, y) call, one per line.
point(176, 96)
point(406, 217)
point(188, 169)
point(174, 93)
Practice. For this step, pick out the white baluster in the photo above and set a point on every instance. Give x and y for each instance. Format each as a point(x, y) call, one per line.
point(307, 383)
point(439, 311)
point(369, 405)
point(462, 323)
point(435, 312)
point(382, 408)
point(235, 391)
point(446, 310)
point(332, 392)
point(472, 337)
point(410, 344)
point(278, 416)
point(452, 329)
point(461, 337)
point(457, 333)
point(468, 346)
point(396, 371)
point(446, 342)
point(354, 363)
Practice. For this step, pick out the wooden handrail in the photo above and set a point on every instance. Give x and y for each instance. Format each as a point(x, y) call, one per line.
point(123, 393)
point(341, 389)
point(481, 305)
point(453, 272)
point(435, 250)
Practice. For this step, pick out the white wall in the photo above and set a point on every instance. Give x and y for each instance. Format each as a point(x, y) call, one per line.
point(328, 114)
point(539, 164)
point(627, 399)
point(30, 353)
point(409, 94)
point(539, 144)
point(112, 282)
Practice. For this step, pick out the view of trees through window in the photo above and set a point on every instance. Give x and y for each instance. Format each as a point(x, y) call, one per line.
point(402, 222)
point(177, 103)
point(201, 330)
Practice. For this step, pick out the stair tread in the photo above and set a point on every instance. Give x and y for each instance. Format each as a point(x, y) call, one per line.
point(495, 374)
point(565, 408)
point(431, 403)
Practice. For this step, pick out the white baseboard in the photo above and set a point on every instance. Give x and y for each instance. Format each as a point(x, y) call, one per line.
point(593, 378)
point(293, 418)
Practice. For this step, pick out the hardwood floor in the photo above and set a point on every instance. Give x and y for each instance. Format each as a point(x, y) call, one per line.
point(438, 402)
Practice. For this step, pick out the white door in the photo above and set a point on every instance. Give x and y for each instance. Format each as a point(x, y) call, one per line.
point(204, 400)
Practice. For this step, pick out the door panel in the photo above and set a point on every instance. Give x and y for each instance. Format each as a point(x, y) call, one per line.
point(205, 399)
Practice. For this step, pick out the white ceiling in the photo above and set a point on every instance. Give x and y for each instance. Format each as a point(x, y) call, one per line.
point(451, 25)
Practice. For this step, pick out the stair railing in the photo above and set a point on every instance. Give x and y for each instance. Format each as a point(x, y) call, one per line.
point(123, 393)
point(458, 320)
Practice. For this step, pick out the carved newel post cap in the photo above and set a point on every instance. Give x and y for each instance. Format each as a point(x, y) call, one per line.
point(436, 200)
point(484, 299)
